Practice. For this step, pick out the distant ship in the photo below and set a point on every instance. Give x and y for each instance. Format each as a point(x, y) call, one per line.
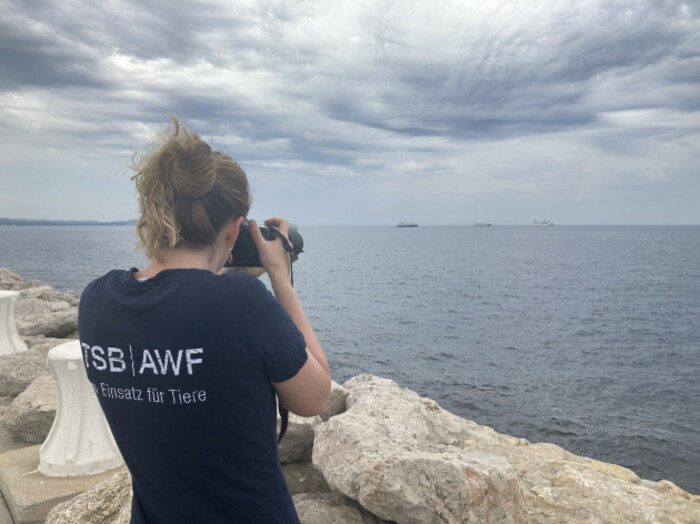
point(483, 224)
point(545, 223)
point(406, 224)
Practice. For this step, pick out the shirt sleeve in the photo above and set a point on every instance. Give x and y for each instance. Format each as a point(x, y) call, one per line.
point(272, 334)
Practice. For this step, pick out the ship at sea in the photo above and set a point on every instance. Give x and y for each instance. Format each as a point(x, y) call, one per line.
point(406, 224)
point(545, 223)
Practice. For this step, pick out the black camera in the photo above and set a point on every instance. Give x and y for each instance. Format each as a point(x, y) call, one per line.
point(245, 254)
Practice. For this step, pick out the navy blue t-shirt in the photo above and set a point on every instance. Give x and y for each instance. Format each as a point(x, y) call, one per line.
point(182, 365)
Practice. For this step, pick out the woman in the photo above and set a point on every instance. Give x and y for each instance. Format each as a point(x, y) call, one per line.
point(187, 361)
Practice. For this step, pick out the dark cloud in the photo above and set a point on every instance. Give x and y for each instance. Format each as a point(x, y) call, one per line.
point(58, 43)
point(32, 56)
point(532, 79)
point(518, 79)
point(395, 88)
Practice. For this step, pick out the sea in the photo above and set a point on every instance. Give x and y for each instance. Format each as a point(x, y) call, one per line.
point(584, 336)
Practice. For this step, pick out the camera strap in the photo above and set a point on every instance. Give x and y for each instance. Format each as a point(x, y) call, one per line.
point(284, 419)
point(288, 248)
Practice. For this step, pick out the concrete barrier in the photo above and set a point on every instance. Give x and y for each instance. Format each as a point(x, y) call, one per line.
point(10, 341)
point(80, 441)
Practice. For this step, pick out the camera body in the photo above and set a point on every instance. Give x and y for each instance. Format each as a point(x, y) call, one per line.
point(245, 254)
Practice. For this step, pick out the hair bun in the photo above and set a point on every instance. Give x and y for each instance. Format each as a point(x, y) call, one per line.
point(192, 167)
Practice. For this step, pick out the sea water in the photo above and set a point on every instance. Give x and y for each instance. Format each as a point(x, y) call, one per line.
point(587, 337)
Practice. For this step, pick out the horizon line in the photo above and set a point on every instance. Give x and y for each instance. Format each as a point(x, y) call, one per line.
point(5, 221)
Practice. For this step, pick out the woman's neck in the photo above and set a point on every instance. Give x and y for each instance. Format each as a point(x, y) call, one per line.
point(178, 258)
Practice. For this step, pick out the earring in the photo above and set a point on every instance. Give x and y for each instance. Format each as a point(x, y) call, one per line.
point(229, 261)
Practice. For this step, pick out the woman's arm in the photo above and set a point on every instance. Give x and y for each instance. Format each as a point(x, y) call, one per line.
point(306, 393)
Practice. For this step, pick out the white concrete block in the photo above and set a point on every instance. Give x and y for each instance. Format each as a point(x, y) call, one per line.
point(80, 441)
point(10, 341)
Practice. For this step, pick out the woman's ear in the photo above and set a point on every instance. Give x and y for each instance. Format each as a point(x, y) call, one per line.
point(233, 230)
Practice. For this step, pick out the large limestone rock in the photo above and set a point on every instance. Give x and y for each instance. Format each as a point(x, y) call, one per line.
point(405, 459)
point(331, 508)
point(109, 502)
point(399, 456)
point(30, 416)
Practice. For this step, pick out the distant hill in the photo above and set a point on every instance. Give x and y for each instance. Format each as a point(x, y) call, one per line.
point(40, 222)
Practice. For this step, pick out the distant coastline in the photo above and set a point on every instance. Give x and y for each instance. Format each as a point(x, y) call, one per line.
point(41, 222)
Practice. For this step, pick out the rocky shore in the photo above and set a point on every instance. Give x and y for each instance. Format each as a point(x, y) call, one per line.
point(379, 453)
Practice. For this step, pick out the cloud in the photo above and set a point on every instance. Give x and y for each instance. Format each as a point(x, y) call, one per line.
point(479, 96)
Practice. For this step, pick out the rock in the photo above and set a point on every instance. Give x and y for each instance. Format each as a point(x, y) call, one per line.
point(331, 508)
point(5, 402)
point(298, 442)
point(40, 310)
point(109, 502)
point(666, 486)
point(5, 515)
point(10, 280)
point(336, 402)
point(30, 416)
point(403, 458)
point(48, 294)
point(35, 316)
point(302, 477)
point(19, 370)
point(563, 487)
point(42, 342)
point(8, 443)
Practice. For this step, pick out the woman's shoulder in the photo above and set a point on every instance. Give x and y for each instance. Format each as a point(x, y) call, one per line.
point(111, 277)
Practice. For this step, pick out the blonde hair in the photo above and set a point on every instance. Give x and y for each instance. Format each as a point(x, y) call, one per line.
point(187, 192)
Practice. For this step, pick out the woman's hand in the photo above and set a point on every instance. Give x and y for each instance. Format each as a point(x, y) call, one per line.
point(273, 256)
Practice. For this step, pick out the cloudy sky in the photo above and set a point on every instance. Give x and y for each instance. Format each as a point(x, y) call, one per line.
point(362, 111)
